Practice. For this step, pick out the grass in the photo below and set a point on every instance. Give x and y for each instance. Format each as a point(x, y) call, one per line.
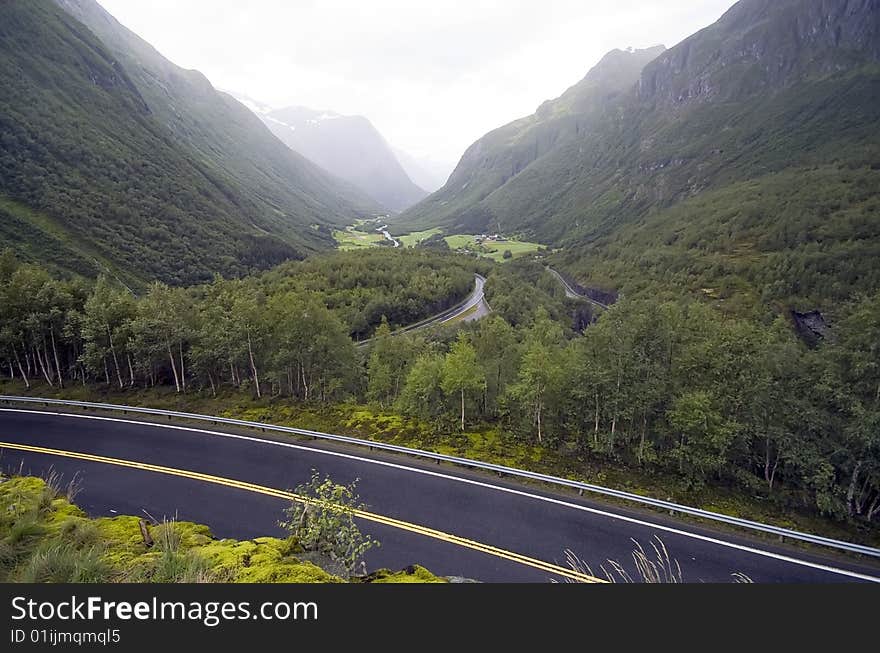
point(492, 250)
point(655, 566)
point(45, 538)
point(463, 316)
point(414, 238)
point(351, 239)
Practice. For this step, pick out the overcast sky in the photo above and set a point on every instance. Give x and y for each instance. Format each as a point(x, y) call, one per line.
point(433, 76)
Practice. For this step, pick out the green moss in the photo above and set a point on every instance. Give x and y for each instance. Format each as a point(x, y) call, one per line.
point(264, 560)
point(411, 575)
point(55, 540)
point(21, 495)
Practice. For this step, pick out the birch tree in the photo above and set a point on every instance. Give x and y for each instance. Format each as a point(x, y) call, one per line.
point(462, 374)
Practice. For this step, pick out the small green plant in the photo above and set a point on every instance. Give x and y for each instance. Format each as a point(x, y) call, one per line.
point(55, 487)
point(174, 564)
point(321, 520)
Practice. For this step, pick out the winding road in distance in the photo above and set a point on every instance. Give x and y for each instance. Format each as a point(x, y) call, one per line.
point(475, 307)
point(453, 521)
point(471, 309)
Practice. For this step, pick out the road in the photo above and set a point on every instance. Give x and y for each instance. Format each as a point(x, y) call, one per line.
point(472, 309)
point(454, 522)
point(571, 293)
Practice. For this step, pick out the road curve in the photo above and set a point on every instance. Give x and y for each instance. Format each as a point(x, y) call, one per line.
point(455, 522)
point(471, 309)
point(571, 293)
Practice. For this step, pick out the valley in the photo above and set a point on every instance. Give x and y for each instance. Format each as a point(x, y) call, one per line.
point(374, 233)
point(663, 281)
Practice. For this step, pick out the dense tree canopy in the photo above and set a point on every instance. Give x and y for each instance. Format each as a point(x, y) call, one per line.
point(671, 386)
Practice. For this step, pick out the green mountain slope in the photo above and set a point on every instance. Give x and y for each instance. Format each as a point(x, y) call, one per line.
point(748, 145)
point(113, 159)
point(495, 161)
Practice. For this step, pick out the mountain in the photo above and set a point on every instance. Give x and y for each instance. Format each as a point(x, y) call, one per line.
point(349, 147)
point(743, 163)
point(494, 162)
point(424, 171)
point(115, 160)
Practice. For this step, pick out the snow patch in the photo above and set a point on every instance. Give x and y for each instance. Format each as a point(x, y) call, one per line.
point(278, 122)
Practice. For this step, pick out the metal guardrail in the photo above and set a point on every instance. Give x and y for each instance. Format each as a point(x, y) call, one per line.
point(465, 462)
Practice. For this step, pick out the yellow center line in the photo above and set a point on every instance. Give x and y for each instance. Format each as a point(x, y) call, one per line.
point(282, 494)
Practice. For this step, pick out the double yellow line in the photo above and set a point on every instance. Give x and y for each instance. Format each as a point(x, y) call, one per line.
point(548, 567)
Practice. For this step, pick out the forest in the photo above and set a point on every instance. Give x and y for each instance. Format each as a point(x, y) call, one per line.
point(671, 386)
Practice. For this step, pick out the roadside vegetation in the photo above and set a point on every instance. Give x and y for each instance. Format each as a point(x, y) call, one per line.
point(46, 538)
point(653, 565)
point(660, 396)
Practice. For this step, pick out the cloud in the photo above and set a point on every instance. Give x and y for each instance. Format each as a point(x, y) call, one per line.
point(433, 76)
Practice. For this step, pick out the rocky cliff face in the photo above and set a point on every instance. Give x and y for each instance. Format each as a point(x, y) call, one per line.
point(773, 83)
point(503, 154)
point(761, 46)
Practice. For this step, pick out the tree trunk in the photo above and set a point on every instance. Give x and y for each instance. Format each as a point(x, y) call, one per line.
point(27, 358)
point(770, 470)
point(43, 366)
point(130, 370)
point(538, 410)
point(173, 366)
point(850, 494)
point(875, 506)
point(596, 430)
point(115, 359)
point(644, 436)
point(306, 389)
point(182, 368)
point(106, 369)
point(27, 383)
point(462, 409)
point(254, 365)
point(55, 352)
point(213, 387)
point(861, 497)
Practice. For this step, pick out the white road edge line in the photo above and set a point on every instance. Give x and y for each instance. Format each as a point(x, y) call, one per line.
point(595, 511)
